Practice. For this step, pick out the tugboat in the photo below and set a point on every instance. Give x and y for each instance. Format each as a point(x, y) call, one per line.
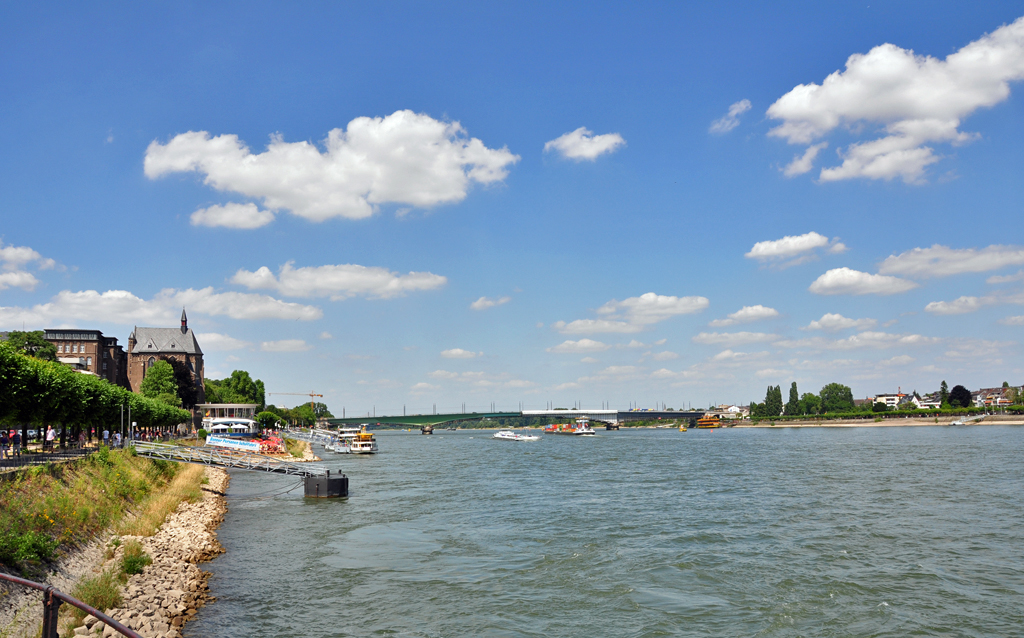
point(427, 429)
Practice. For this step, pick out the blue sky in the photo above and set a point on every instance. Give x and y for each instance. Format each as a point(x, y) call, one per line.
point(400, 204)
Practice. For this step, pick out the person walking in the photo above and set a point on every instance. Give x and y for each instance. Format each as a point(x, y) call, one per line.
point(117, 439)
point(4, 440)
point(106, 437)
point(16, 440)
point(50, 436)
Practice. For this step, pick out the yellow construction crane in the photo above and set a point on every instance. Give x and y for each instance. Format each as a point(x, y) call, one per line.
point(311, 395)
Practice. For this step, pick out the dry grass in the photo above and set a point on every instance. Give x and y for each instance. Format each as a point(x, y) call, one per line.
point(296, 447)
point(153, 511)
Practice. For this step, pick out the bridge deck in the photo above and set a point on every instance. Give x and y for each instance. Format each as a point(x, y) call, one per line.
point(226, 458)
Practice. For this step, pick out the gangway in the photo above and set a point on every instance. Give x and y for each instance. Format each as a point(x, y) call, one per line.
point(317, 478)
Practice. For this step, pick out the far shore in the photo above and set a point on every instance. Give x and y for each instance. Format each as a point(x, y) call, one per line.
point(995, 419)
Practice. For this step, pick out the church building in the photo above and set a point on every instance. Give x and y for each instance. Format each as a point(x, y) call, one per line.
point(146, 346)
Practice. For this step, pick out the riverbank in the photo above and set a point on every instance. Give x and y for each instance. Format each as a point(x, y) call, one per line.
point(995, 419)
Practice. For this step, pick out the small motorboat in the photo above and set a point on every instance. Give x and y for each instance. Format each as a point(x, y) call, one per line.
point(509, 435)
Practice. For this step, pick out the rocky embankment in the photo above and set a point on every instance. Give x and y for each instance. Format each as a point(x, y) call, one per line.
point(169, 592)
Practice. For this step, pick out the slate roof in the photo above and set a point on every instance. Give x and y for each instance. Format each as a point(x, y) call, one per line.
point(165, 341)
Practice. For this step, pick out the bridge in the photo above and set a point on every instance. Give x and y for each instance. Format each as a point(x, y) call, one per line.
point(604, 416)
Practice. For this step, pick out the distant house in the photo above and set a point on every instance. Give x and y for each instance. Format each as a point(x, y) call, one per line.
point(992, 397)
point(90, 352)
point(928, 401)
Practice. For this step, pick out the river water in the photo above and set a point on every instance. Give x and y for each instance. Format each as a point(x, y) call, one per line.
point(875, 531)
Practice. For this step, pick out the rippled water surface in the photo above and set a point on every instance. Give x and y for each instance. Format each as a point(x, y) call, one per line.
point(915, 531)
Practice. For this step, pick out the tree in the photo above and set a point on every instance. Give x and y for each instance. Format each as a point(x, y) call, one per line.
point(159, 384)
point(321, 411)
point(943, 392)
point(238, 388)
point(772, 405)
point(836, 397)
point(879, 407)
point(185, 384)
point(33, 344)
point(960, 397)
point(268, 419)
point(810, 403)
point(793, 405)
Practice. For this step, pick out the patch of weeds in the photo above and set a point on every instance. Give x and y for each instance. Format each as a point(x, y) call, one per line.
point(101, 591)
point(27, 546)
point(135, 558)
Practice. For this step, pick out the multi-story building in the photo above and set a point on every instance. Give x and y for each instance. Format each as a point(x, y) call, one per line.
point(91, 352)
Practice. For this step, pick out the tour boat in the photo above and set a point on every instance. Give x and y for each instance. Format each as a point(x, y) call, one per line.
point(582, 428)
point(363, 443)
point(509, 435)
point(709, 422)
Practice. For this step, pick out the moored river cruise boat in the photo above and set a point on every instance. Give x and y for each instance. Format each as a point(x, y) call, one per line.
point(582, 428)
point(363, 443)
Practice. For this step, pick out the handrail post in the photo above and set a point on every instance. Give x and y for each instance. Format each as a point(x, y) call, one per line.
point(51, 605)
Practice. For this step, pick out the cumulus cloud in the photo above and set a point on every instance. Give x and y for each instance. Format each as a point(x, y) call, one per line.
point(285, 345)
point(423, 386)
point(943, 261)
point(746, 314)
point(1006, 279)
point(730, 120)
point(804, 162)
point(443, 374)
point(917, 100)
point(846, 281)
point(793, 249)
point(338, 281)
point(581, 346)
point(868, 339)
point(403, 158)
point(666, 355)
point(650, 308)
point(216, 342)
point(594, 326)
point(326, 335)
point(582, 144)
point(483, 303)
point(959, 306)
point(121, 306)
point(459, 353)
point(1013, 321)
point(589, 360)
point(244, 216)
point(732, 338)
point(13, 263)
point(834, 322)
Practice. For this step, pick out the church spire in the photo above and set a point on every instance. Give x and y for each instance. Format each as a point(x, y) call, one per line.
point(184, 321)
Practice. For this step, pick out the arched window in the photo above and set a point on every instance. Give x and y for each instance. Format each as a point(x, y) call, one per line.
point(152, 360)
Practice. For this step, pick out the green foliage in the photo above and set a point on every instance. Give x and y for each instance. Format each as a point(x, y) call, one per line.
point(960, 397)
point(836, 397)
point(159, 384)
point(238, 388)
point(135, 558)
point(32, 344)
point(185, 386)
point(793, 406)
point(944, 392)
point(102, 591)
point(25, 547)
point(810, 403)
point(879, 407)
point(772, 405)
point(202, 433)
point(268, 419)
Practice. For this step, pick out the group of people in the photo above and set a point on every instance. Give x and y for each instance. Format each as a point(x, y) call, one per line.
point(10, 444)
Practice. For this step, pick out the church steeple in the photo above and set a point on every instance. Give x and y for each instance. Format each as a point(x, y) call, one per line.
point(184, 322)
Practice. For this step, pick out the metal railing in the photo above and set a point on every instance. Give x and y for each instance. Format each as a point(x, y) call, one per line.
point(41, 458)
point(52, 600)
point(225, 458)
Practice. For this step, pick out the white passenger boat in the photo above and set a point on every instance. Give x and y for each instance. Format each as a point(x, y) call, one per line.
point(362, 443)
point(509, 435)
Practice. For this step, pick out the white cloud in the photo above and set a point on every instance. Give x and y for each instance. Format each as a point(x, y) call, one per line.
point(833, 322)
point(326, 335)
point(338, 281)
point(863, 340)
point(845, 281)
point(942, 261)
point(483, 303)
point(121, 306)
point(232, 215)
point(594, 326)
point(581, 346)
point(459, 353)
point(285, 345)
point(732, 338)
point(589, 360)
point(1013, 321)
point(730, 120)
point(958, 306)
point(443, 374)
point(746, 314)
point(422, 386)
point(667, 355)
point(582, 144)
point(792, 246)
point(771, 372)
point(805, 162)
point(917, 99)
point(403, 158)
point(18, 279)
point(216, 342)
point(1006, 279)
point(734, 357)
point(650, 308)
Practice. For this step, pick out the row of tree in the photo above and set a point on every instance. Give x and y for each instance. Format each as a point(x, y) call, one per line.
point(45, 392)
point(836, 397)
point(302, 415)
